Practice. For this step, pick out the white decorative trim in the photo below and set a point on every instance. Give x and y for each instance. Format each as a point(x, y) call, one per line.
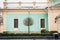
point(15, 29)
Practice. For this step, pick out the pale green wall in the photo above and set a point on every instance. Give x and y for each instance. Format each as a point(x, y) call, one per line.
point(21, 17)
point(56, 2)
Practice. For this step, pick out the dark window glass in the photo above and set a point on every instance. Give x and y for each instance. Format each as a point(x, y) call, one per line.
point(42, 23)
point(15, 23)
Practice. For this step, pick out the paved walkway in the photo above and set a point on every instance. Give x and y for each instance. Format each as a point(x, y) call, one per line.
point(29, 39)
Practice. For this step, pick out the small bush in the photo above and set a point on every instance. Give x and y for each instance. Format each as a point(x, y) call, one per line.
point(51, 32)
point(44, 31)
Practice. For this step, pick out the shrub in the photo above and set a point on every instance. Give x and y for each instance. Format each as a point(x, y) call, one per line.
point(51, 32)
point(44, 31)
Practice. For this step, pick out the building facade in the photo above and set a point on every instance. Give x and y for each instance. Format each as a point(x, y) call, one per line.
point(30, 20)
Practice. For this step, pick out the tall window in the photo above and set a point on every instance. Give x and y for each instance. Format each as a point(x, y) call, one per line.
point(15, 23)
point(1, 20)
point(42, 23)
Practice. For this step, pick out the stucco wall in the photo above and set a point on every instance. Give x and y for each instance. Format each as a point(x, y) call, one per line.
point(36, 15)
point(56, 2)
point(51, 19)
point(3, 26)
point(21, 27)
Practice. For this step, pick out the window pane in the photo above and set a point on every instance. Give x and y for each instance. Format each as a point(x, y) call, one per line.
point(15, 23)
point(42, 23)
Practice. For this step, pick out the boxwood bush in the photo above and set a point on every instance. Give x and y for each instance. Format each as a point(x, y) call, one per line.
point(49, 33)
point(43, 33)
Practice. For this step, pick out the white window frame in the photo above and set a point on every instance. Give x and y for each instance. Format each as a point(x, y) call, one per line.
point(15, 29)
point(40, 23)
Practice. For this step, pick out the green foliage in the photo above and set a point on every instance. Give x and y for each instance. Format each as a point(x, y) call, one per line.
point(51, 32)
point(43, 33)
